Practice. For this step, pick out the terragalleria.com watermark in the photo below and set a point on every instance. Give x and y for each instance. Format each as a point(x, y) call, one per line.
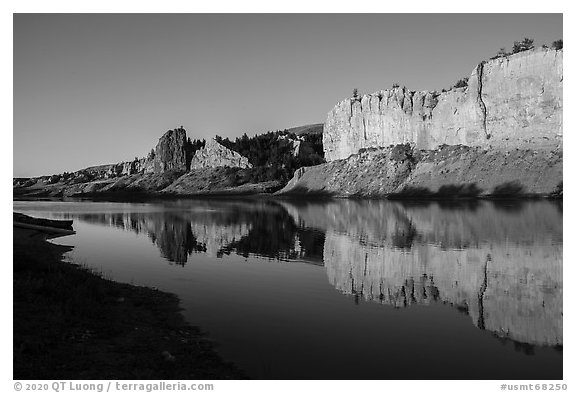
point(534, 386)
point(71, 386)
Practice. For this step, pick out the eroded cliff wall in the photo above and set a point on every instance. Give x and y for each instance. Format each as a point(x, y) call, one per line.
point(509, 102)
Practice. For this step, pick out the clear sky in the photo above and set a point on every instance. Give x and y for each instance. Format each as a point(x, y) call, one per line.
point(94, 89)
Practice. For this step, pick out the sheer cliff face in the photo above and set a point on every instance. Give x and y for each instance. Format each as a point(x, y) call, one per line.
point(214, 155)
point(509, 102)
point(170, 152)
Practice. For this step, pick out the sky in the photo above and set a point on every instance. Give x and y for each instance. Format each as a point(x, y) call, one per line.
point(94, 89)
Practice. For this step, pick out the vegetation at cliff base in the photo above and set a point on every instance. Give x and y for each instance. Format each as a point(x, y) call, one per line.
point(273, 154)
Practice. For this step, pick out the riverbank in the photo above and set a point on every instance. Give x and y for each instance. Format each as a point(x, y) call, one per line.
point(394, 172)
point(72, 323)
point(448, 172)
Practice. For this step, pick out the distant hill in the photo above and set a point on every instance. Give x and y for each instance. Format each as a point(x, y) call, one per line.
point(310, 129)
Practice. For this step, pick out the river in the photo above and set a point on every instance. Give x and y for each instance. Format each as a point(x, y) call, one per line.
point(344, 289)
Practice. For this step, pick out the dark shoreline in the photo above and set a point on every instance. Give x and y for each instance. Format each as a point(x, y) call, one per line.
point(72, 323)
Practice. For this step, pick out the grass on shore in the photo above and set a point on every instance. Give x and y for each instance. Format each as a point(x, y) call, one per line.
point(70, 323)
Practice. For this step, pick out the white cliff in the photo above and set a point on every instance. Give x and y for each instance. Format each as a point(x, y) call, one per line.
point(514, 101)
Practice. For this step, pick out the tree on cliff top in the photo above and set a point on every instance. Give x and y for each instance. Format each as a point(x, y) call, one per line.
point(355, 93)
point(558, 44)
point(461, 83)
point(191, 147)
point(500, 54)
point(521, 46)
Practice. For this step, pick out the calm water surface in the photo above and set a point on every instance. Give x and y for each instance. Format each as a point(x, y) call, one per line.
point(345, 289)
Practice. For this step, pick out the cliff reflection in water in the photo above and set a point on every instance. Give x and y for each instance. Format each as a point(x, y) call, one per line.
point(499, 262)
point(502, 264)
point(217, 228)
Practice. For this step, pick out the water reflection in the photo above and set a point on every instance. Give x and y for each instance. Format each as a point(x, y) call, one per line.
point(501, 263)
point(216, 228)
point(503, 268)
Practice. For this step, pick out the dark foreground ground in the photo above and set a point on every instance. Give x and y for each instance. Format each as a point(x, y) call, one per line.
point(70, 323)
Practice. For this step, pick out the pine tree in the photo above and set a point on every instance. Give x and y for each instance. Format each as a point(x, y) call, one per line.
point(524, 45)
point(558, 44)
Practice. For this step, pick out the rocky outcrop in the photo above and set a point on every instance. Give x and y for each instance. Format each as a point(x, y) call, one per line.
point(170, 152)
point(363, 174)
point(300, 146)
point(449, 171)
point(510, 102)
point(214, 155)
point(146, 165)
point(126, 168)
point(168, 155)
